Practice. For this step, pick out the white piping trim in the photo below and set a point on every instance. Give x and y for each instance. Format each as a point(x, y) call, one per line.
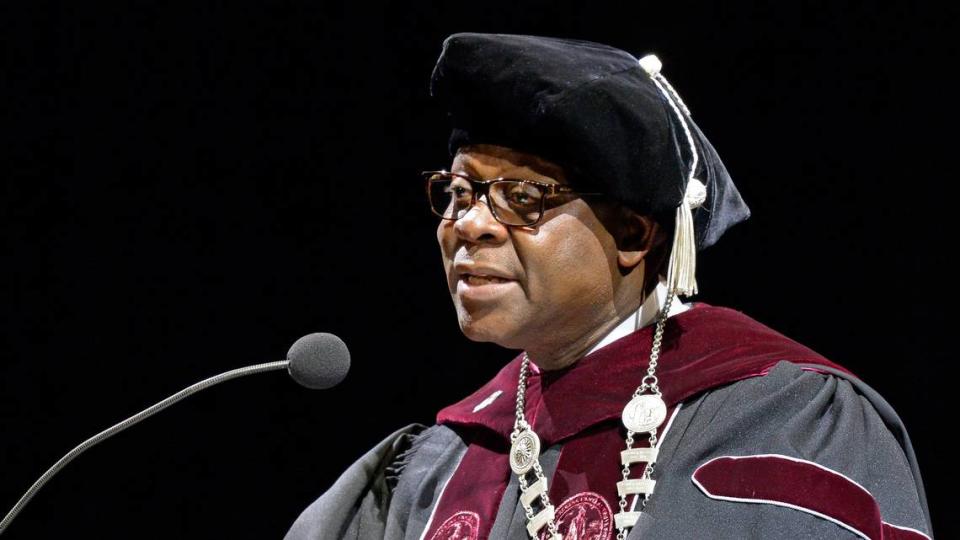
point(669, 424)
point(633, 505)
point(779, 503)
point(436, 504)
point(787, 505)
point(790, 458)
point(911, 529)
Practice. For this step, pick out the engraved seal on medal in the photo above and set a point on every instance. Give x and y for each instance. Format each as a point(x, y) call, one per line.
point(524, 452)
point(460, 526)
point(584, 516)
point(644, 413)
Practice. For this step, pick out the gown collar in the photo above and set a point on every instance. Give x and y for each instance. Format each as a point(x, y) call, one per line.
point(703, 346)
point(644, 315)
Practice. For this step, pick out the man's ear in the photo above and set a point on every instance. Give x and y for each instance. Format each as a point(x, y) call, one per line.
point(637, 236)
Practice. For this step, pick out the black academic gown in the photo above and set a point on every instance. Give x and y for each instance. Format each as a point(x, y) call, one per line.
point(799, 448)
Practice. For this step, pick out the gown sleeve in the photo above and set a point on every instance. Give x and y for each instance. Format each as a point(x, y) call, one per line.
point(356, 506)
point(793, 454)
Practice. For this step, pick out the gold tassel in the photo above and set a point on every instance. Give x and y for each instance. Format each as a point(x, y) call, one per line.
point(682, 268)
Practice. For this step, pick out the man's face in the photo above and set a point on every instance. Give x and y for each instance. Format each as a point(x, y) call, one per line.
point(525, 287)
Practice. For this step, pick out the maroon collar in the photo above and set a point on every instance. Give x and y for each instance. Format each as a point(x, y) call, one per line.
point(703, 347)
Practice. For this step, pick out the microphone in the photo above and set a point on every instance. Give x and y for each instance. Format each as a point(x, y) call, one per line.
point(317, 361)
point(318, 375)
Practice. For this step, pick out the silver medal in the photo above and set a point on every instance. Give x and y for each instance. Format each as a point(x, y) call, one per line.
point(524, 452)
point(644, 413)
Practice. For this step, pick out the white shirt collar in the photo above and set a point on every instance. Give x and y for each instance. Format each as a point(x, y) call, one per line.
point(643, 316)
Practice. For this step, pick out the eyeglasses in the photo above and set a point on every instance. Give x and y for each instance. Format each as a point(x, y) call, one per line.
point(516, 203)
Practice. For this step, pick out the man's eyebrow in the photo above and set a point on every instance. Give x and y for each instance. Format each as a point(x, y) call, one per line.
point(465, 169)
point(468, 169)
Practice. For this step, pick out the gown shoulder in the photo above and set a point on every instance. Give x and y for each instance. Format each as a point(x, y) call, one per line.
point(798, 450)
point(349, 509)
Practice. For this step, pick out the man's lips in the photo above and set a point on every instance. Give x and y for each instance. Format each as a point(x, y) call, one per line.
point(483, 288)
point(478, 273)
point(479, 282)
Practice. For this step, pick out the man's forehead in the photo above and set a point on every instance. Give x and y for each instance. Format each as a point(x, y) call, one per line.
point(494, 161)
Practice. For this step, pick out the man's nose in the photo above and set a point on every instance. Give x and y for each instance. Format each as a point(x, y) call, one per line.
point(478, 224)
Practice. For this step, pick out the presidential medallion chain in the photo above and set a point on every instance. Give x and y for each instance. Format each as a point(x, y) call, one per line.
point(525, 460)
point(643, 414)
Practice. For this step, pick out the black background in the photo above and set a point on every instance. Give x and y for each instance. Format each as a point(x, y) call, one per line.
point(189, 188)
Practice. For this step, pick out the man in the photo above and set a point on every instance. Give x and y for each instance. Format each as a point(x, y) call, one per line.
point(579, 193)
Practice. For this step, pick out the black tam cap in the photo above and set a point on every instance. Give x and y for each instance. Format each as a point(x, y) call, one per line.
point(615, 126)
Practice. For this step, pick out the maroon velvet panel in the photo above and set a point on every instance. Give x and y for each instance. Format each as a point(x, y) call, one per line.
point(799, 484)
point(703, 347)
point(469, 503)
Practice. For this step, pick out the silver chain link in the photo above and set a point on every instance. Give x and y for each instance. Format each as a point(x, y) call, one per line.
point(649, 382)
point(519, 425)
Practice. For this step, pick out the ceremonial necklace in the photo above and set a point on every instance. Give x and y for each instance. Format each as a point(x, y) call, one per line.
point(643, 414)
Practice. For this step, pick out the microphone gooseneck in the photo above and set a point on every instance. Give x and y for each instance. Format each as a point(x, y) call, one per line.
point(116, 428)
point(315, 361)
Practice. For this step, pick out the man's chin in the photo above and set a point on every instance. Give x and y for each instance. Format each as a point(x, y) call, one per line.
point(489, 329)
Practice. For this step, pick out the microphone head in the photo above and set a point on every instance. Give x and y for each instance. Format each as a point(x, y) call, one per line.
point(318, 361)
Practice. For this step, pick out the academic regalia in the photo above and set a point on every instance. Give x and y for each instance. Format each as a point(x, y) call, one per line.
point(765, 439)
